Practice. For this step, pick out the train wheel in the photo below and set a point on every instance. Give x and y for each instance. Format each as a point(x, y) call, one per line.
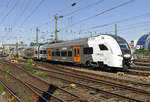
point(102, 67)
point(88, 64)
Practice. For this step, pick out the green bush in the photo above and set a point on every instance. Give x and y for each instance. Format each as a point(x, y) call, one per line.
point(40, 74)
point(29, 63)
point(8, 70)
point(142, 52)
point(2, 88)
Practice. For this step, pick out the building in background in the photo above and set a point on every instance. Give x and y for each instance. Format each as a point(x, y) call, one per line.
point(12, 49)
point(1, 48)
point(143, 42)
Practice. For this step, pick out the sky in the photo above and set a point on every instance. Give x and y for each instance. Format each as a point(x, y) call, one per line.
point(20, 18)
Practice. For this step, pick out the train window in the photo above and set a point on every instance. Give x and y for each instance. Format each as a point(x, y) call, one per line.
point(75, 53)
point(70, 53)
point(103, 47)
point(88, 50)
point(40, 51)
point(57, 53)
point(35, 52)
point(53, 54)
point(63, 53)
point(78, 53)
point(44, 51)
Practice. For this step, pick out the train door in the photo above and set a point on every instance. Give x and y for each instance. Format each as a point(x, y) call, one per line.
point(49, 57)
point(32, 53)
point(76, 54)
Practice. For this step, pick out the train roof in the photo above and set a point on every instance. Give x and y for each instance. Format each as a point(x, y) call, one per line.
point(77, 42)
point(69, 43)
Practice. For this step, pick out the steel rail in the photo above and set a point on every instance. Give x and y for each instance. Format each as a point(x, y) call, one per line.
point(139, 67)
point(42, 91)
point(24, 84)
point(97, 81)
point(139, 73)
point(96, 89)
point(61, 68)
point(19, 67)
point(10, 91)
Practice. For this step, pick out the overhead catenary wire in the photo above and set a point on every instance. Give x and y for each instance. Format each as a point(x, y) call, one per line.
point(32, 12)
point(28, 3)
point(133, 27)
point(8, 3)
point(8, 13)
point(20, 16)
point(6, 6)
point(119, 21)
point(90, 5)
point(124, 31)
point(126, 27)
point(75, 11)
point(22, 13)
point(91, 17)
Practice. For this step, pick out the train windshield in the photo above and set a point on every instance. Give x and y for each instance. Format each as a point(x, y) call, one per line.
point(123, 45)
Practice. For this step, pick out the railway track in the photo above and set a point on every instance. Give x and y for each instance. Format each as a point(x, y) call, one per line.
point(142, 60)
point(138, 72)
point(141, 68)
point(91, 100)
point(47, 90)
point(11, 92)
point(90, 80)
point(20, 90)
point(132, 72)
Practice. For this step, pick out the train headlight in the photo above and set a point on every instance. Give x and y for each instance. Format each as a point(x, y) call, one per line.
point(127, 56)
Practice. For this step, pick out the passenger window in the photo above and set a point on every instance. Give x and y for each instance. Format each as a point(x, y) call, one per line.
point(57, 53)
point(35, 52)
point(75, 53)
point(53, 54)
point(69, 53)
point(78, 52)
point(40, 51)
point(103, 47)
point(44, 51)
point(88, 50)
point(63, 53)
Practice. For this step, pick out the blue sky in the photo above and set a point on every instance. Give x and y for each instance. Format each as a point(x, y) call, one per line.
point(19, 19)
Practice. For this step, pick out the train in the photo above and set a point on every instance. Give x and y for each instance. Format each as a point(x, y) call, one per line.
point(103, 51)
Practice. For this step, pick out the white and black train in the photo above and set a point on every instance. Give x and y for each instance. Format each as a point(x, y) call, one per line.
point(103, 50)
